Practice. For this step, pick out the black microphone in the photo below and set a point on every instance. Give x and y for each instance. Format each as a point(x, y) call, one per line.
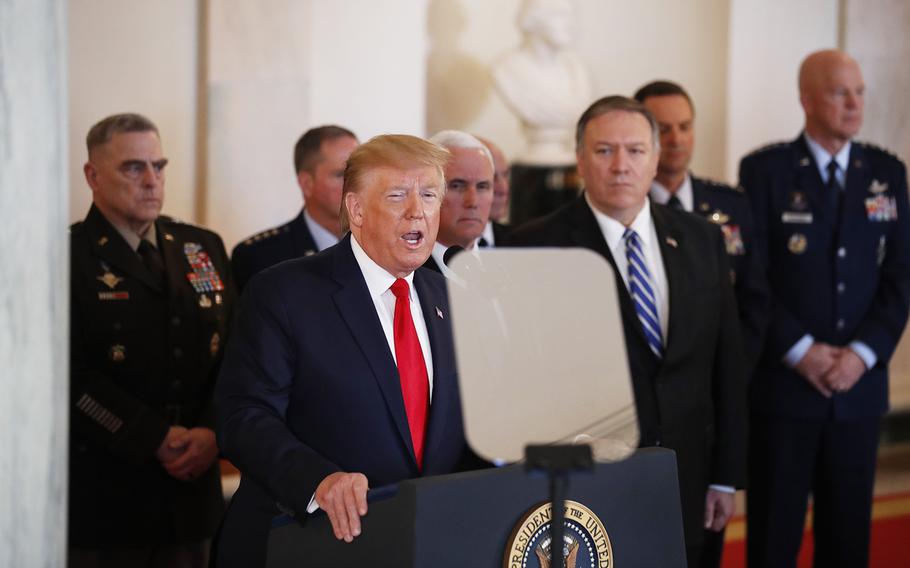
point(450, 253)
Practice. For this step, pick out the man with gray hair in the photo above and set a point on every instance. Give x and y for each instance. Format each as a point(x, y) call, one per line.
point(469, 194)
point(152, 299)
point(678, 310)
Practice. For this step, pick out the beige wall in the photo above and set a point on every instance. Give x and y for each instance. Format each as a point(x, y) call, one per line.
point(624, 46)
point(875, 32)
point(131, 55)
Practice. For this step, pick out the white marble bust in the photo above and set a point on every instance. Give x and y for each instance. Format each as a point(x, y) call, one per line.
point(545, 83)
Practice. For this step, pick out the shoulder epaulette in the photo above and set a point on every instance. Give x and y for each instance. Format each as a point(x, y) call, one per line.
point(769, 147)
point(721, 185)
point(266, 234)
point(878, 149)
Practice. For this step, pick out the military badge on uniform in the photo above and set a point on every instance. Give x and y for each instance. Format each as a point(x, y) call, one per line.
point(718, 217)
point(881, 208)
point(733, 240)
point(204, 277)
point(798, 201)
point(882, 249)
point(214, 344)
point(804, 162)
point(704, 207)
point(218, 299)
point(877, 187)
point(797, 243)
point(110, 279)
point(117, 353)
point(205, 301)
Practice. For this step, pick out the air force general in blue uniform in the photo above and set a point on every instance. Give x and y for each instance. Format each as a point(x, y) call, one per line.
point(834, 228)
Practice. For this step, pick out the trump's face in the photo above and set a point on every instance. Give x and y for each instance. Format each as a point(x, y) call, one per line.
point(618, 161)
point(395, 216)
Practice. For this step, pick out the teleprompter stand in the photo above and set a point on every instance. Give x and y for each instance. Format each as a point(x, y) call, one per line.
point(557, 461)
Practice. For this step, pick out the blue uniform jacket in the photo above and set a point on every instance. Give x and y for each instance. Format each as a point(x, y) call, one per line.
point(729, 208)
point(837, 271)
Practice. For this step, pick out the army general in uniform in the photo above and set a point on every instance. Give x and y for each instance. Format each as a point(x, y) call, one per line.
point(151, 303)
point(831, 219)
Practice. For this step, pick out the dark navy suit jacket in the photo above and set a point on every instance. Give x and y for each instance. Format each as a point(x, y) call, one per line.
point(840, 272)
point(309, 388)
point(693, 400)
point(268, 248)
point(729, 208)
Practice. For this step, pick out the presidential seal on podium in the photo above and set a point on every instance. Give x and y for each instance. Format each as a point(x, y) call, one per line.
point(585, 541)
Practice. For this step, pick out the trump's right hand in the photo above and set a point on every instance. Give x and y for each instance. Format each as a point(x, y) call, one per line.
point(343, 496)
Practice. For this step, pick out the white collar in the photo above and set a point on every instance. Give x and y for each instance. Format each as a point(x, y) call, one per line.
point(378, 279)
point(686, 196)
point(613, 230)
point(488, 234)
point(822, 157)
point(322, 237)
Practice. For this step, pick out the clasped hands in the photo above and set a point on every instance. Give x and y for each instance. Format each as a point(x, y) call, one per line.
point(187, 453)
point(831, 369)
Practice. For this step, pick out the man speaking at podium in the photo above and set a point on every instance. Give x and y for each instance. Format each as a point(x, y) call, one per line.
point(342, 373)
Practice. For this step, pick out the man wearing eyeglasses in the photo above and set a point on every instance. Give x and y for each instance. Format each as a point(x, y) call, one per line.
point(151, 302)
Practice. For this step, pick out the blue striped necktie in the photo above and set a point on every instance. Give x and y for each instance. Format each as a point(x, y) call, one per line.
point(642, 291)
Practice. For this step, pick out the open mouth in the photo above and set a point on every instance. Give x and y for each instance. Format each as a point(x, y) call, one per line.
point(413, 238)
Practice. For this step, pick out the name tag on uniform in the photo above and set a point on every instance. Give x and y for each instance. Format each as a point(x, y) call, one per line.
point(801, 217)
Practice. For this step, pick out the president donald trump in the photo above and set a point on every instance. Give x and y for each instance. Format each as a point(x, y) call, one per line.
point(341, 373)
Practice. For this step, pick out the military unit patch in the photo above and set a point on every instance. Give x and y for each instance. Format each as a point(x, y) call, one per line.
point(204, 277)
point(797, 243)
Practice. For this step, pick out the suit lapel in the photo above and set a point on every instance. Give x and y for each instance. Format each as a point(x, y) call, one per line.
point(435, 314)
point(357, 310)
point(586, 233)
point(670, 241)
point(856, 187)
point(809, 181)
point(110, 247)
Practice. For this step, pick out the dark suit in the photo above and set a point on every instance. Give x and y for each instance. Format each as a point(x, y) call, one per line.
point(144, 357)
point(729, 208)
point(500, 234)
point(310, 388)
point(268, 248)
point(839, 269)
point(692, 400)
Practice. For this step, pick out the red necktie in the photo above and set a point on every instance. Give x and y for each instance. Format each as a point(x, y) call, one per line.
point(412, 368)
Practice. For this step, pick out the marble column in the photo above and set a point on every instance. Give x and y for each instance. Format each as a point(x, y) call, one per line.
point(875, 33)
point(34, 288)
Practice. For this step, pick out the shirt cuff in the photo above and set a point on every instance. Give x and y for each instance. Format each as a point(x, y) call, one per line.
point(865, 353)
point(722, 488)
point(798, 351)
point(313, 506)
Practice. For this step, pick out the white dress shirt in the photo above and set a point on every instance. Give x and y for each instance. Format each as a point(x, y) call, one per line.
point(322, 237)
point(686, 196)
point(487, 234)
point(643, 225)
point(379, 283)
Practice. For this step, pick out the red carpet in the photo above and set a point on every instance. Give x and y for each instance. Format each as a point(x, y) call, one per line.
point(890, 537)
